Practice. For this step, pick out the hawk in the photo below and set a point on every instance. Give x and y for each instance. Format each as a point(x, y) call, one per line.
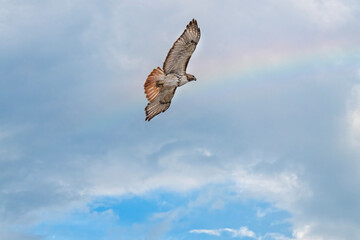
point(161, 84)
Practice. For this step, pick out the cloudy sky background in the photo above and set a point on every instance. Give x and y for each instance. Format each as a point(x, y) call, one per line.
point(265, 145)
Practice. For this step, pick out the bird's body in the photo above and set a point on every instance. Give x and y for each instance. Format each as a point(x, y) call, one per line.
point(161, 84)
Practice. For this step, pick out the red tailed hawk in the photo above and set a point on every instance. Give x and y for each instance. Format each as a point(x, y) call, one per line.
point(161, 84)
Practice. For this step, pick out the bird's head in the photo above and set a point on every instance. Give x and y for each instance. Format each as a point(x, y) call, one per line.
point(190, 77)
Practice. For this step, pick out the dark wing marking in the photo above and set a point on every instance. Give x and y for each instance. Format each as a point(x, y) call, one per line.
point(160, 104)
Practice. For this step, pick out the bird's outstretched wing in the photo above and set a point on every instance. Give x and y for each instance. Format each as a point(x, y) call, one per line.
point(161, 103)
point(179, 55)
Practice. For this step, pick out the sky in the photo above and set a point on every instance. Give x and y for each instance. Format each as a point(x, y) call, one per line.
point(265, 145)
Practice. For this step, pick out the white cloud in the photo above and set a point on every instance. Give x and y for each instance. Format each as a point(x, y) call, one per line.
point(241, 232)
point(215, 232)
point(326, 13)
point(305, 234)
point(120, 176)
point(282, 186)
point(287, 114)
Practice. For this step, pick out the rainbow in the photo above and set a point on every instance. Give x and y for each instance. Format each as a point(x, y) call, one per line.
point(249, 70)
point(264, 64)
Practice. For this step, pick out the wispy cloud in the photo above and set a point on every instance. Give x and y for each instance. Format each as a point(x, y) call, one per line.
point(215, 232)
point(274, 115)
point(241, 232)
point(327, 14)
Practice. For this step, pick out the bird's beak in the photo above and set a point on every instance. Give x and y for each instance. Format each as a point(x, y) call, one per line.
point(194, 78)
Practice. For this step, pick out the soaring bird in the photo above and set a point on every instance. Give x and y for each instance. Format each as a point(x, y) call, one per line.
point(161, 84)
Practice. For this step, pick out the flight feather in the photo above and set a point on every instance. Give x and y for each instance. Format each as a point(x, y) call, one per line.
point(180, 53)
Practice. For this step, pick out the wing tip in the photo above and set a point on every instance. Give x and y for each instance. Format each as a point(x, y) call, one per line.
point(147, 113)
point(193, 25)
point(149, 117)
point(193, 21)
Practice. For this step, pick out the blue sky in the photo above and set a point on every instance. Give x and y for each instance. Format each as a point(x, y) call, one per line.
point(265, 145)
